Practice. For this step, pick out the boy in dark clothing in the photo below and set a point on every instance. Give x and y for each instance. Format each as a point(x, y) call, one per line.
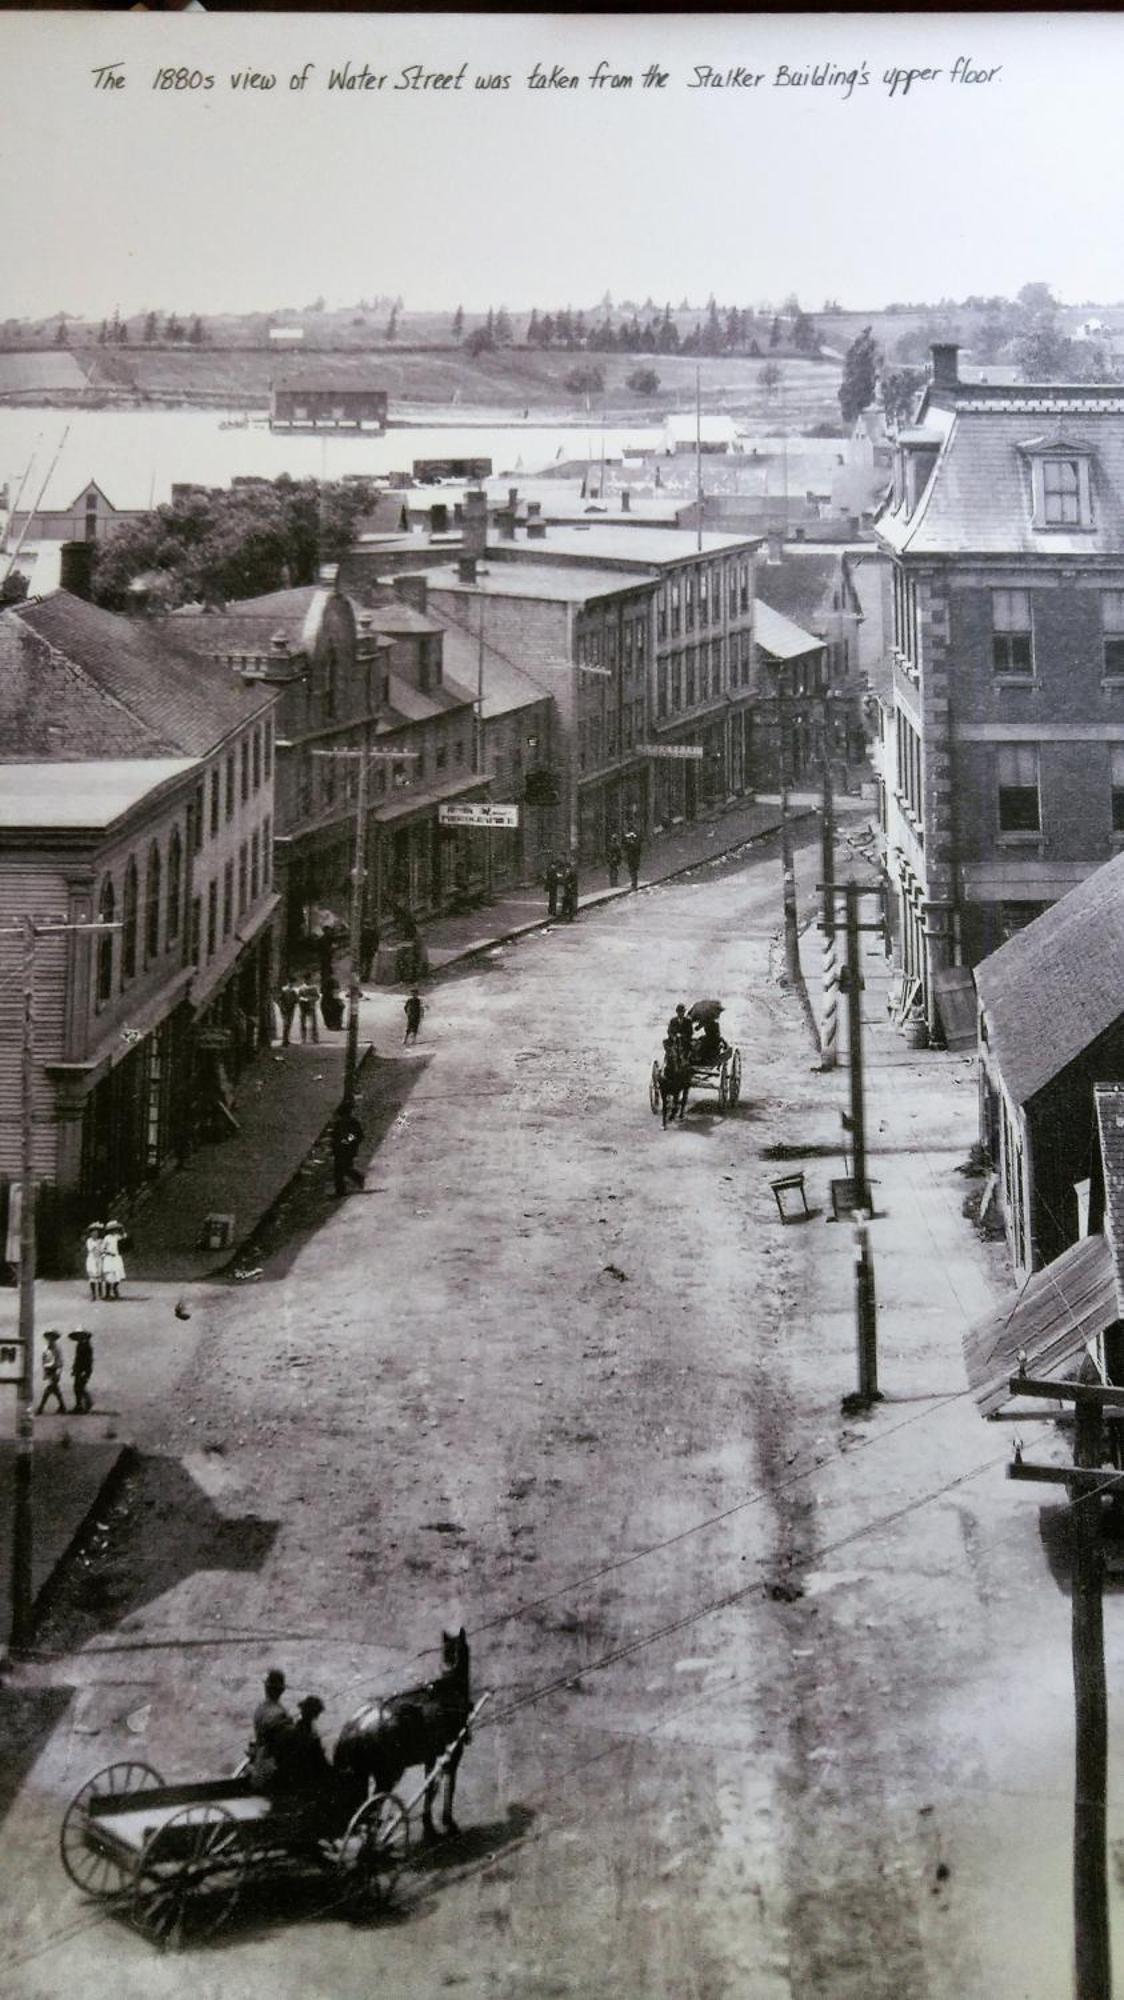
point(347, 1137)
point(413, 1010)
point(81, 1370)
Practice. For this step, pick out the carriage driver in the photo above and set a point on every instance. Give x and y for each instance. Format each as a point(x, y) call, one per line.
point(680, 1031)
point(272, 1723)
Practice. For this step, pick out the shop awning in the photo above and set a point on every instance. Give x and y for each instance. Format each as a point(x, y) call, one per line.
point(415, 801)
point(1059, 1311)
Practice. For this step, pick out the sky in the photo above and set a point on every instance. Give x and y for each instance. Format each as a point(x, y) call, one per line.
point(226, 198)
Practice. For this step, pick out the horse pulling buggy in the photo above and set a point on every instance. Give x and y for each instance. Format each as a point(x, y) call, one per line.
point(178, 1859)
point(711, 1063)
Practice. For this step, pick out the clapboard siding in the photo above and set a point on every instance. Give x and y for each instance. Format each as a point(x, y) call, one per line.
point(37, 891)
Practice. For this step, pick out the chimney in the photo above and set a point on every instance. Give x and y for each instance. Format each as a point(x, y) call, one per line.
point(946, 373)
point(475, 535)
point(466, 569)
point(328, 575)
point(626, 502)
point(76, 561)
point(412, 590)
point(505, 522)
point(438, 518)
point(513, 497)
point(536, 531)
point(534, 509)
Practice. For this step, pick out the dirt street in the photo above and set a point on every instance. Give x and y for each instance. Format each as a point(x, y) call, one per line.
point(549, 1375)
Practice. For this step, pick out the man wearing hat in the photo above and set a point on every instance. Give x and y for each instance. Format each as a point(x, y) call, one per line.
point(305, 1764)
point(272, 1723)
point(81, 1369)
point(52, 1373)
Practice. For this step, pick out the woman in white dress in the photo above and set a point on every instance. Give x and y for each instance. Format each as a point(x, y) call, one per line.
point(112, 1263)
point(95, 1252)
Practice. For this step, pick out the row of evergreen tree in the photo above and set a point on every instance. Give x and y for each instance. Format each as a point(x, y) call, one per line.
point(722, 330)
point(115, 332)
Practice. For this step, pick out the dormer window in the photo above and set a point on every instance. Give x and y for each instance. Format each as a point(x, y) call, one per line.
point(1062, 487)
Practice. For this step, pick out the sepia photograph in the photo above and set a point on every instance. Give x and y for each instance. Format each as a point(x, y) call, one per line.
point(561, 1006)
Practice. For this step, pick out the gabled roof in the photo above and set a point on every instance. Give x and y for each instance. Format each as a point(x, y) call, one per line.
point(247, 624)
point(89, 796)
point(803, 586)
point(1057, 986)
point(78, 682)
point(779, 636)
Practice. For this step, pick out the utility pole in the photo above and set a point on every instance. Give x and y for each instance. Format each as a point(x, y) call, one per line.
point(1092, 1959)
point(852, 891)
point(830, 976)
point(478, 761)
point(23, 1536)
point(788, 865)
point(363, 758)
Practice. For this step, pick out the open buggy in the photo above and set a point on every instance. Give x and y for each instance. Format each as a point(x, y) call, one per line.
point(177, 1859)
point(710, 1063)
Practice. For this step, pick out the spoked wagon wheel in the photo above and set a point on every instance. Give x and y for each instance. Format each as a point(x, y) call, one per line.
point(724, 1085)
point(735, 1076)
point(375, 1846)
point(92, 1868)
point(189, 1876)
point(654, 1087)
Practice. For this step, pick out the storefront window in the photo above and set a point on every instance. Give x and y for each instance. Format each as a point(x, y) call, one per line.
point(107, 910)
point(129, 924)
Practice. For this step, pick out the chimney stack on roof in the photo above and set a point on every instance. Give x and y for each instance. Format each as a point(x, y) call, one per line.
point(475, 535)
point(466, 569)
point(946, 371)
point(76, 568)
point(626, 502)
point(412, 589)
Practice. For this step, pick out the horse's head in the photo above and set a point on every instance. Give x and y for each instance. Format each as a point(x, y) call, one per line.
point(454, 1655)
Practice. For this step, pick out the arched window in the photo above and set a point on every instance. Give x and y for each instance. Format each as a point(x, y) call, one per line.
point(107, 911)
point(152, 905)
point(129, 924)
point(175, 887)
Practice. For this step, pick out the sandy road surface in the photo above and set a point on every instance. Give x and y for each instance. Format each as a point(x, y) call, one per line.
point(548, 1375)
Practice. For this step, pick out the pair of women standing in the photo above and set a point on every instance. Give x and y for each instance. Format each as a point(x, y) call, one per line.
point(105, 1266)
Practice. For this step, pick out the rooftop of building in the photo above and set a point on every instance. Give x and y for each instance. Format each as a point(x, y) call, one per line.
point(77, 681)
point(806, 583)
point(1108, 1099)
point(549, 582)
point(507, 686)
point(1054, 988)
point(92, 795)
point(978, 496)
point(781, 637)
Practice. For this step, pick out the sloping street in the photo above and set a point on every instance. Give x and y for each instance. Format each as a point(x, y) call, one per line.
point(564, 1377)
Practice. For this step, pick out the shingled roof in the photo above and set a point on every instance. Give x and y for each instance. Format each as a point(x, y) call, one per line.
point(78, 682)
point(979, 496)
point(1057, 986)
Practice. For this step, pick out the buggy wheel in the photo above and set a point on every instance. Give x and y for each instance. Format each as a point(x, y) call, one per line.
point(374, 1848)
point(654, 1087)
point(735, 1076)
point(724, 1085)
point(189, 1876)
point(92, 1866)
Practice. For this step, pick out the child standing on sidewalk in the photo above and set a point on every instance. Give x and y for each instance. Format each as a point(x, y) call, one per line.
point(413, 1011)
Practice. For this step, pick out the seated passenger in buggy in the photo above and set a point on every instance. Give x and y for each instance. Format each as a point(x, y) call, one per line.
point(709, 1047)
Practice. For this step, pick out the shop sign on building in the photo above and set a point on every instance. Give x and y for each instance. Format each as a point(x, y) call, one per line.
point(477, 814)
point(694, 752)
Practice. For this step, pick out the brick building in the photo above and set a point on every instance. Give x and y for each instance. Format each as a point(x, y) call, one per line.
point(136, 790)
point(1004, 732)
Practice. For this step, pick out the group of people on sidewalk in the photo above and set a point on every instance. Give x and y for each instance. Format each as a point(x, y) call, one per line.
point(105, 1265)
point(300, 1003)
point(81, 1369)
point(561, 877)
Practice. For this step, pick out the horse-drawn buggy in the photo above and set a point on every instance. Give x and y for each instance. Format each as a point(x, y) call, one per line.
point(178, 1859)
point(696, 1056)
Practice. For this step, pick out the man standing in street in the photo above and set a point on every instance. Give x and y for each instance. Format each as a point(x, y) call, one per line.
point(570, 890)
point(613, 855)
point(52, 1374)
point(287, 1003)
point(553, 879)
point(307, 997)
point(347, 1137)
point(632, 855)
point(81, 1370)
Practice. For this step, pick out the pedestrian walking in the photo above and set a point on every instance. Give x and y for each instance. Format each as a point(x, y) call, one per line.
point(413, 1010)
point(613, 855)
point(368, 948)
point(81, 1369)
point(287, 1002)
point(632, 855)
point(52, 1373)
point(346, 1139)
point(307, 997)
point(112, 1263)
point(95, 1250)
point(331, 1004)
point(570, 891)
point(325, 956)
point(553, 882)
